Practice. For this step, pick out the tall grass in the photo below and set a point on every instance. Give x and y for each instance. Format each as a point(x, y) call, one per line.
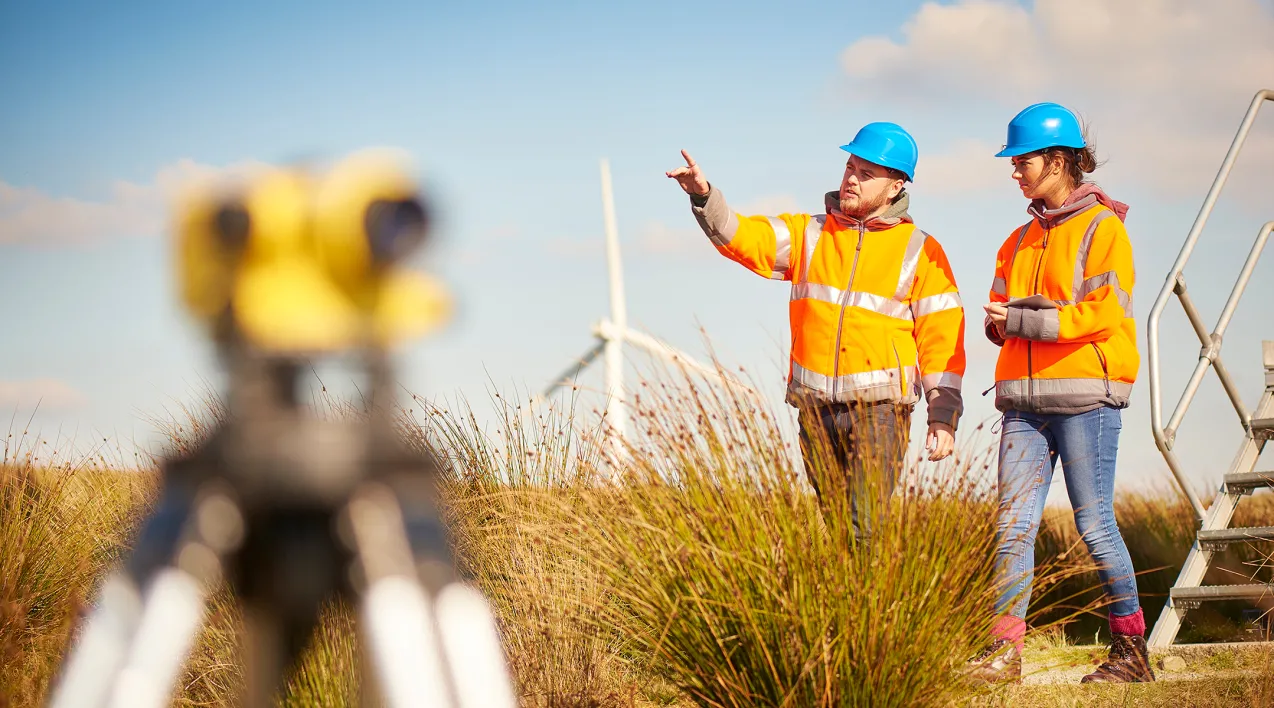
point(64, 521)
point(698, 569)
point(732, 581)
point(510, 494)
point(61, 522)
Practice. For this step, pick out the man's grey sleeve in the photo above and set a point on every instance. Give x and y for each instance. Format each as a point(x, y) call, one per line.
point(945, 405)
point(714, 216)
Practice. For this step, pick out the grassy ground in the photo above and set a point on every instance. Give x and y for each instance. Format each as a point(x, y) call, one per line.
point(1213, 691)
point(1211, 675)
point(711, 577)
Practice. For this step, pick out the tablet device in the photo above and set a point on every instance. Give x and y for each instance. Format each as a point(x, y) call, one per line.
point(1034, 302)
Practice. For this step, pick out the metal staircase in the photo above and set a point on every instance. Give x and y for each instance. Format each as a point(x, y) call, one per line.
point(1242, 477)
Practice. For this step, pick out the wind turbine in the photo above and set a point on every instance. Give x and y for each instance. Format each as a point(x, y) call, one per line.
point(612, 333)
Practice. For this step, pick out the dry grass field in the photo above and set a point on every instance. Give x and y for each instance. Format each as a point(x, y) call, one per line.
point(709, 577)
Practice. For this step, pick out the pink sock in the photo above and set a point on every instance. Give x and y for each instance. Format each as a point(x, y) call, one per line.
point(1010, 628)
point(1133, 625)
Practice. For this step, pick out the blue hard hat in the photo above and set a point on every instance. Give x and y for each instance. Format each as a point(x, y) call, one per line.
point(1042, 125)
point(885, 144)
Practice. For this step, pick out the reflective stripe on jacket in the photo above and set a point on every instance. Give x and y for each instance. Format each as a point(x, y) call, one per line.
point(1083, 354)
point(875, 313)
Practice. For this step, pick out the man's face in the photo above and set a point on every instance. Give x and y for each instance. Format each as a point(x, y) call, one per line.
point(867, 188)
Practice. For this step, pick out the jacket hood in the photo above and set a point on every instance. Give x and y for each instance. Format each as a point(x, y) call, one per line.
point(894, 215)
point(1084, 196)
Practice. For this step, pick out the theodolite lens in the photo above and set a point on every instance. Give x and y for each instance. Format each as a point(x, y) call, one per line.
point(394, 228)
point(231, 224)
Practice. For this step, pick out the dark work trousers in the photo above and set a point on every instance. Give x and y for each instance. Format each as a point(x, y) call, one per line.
point(858, 450)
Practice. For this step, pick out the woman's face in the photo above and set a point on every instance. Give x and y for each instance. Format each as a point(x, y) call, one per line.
point(1034, 177)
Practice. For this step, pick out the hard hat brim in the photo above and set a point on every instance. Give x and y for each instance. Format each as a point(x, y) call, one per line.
point(873, 159)
point(1022, 149)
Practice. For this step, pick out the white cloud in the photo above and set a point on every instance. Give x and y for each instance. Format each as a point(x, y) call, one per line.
point(963, 167)
point(1163, 82)
point(34, 217)
point(46, 393)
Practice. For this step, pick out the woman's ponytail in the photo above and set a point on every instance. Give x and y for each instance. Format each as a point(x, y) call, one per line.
point(1076, 162)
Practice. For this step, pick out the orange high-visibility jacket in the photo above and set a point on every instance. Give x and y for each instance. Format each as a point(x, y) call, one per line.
point(1083, 354)
point(874, 310)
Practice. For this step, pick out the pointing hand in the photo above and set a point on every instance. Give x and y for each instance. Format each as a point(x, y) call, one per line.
point(690, 177)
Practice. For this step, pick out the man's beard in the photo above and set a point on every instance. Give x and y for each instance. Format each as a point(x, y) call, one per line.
point(863, 208)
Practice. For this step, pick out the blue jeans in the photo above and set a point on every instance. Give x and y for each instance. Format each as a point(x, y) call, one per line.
point(1087, 444)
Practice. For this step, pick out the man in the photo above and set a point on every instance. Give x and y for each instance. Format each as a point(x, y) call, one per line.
point(876, 318)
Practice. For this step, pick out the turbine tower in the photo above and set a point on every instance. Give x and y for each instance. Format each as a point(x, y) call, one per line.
point(613, 332)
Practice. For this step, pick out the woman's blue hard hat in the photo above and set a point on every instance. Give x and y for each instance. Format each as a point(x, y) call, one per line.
point(1040, 126)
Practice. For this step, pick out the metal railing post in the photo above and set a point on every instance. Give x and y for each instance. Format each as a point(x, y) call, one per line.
point(1174, 284)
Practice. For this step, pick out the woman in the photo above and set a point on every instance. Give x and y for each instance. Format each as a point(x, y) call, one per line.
point(1061, 313)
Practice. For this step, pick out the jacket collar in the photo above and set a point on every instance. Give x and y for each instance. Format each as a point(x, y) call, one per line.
point(894, 215)
point(1079, 201)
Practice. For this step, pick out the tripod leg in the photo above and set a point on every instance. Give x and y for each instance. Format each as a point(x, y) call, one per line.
point(133, 647)
point(136, 640)
point(472, 643)
point(93, 664)
point(403, 644)
point(175, 598)
point(466, 626)
point(95, 659)
point(395, 610)
point(263, 665)
point(287, 569)
point(174, 612)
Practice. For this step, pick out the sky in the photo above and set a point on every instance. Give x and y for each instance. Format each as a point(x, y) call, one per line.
point(507, 109)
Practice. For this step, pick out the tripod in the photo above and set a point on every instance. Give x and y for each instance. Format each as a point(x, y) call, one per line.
point(291, 510)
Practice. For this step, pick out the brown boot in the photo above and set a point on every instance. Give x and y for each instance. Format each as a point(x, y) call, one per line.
point(1128, 662)
point(999, 662)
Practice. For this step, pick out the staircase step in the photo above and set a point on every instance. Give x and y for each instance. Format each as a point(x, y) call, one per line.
point(1214, 593)
point(1240, 534)
point(1263, 428)
point(1249, 480)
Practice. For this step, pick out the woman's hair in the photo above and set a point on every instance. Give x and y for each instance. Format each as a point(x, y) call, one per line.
point(1076, 162)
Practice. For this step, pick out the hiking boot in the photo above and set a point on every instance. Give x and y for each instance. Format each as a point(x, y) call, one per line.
point(999, 662)
point(1128, 662)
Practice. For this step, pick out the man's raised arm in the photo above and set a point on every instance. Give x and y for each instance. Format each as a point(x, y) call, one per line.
point(763, 244)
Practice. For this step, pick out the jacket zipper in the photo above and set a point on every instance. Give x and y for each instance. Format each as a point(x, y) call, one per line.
point(1105, 374)
point(1030, 363)
point(840, 321)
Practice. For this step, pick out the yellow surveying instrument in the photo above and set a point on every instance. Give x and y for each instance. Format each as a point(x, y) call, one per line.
point(288, 508)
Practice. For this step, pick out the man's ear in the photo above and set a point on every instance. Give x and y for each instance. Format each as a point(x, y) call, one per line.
point(895, 188)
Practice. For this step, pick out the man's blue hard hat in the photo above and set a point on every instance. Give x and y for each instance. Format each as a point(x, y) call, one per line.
point(886, 144)
point(1039, 126)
